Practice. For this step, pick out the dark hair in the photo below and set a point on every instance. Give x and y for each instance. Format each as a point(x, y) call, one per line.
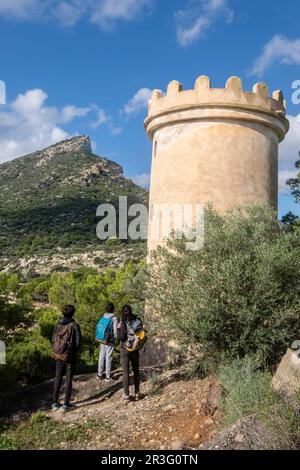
point(68, 311)
point(127, 313)
point(110, 307)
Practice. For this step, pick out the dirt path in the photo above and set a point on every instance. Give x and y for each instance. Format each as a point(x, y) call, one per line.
point(174, 413)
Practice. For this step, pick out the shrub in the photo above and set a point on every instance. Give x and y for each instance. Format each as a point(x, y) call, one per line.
point(47, 319)
point(31, 358)
point(248, 390)
point(245, 387)
point(240, 293)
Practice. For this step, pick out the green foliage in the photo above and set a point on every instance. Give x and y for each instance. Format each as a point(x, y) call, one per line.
point(47, 318)
point(294, 183)
point(30, 358)
point(240, 293)
point(35, 290)
point(41, 432)
point(62, 290)
point(28, 331)
point(247, 391)
point(11, 312)
point(51, 202)
point(245, 387)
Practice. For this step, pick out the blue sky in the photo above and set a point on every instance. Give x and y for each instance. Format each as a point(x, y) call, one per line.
point(87, 67)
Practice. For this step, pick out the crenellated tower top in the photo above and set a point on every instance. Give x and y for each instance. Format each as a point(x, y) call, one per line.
point(204, 97)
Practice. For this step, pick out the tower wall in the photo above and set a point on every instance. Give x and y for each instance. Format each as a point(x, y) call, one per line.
point(216, 146)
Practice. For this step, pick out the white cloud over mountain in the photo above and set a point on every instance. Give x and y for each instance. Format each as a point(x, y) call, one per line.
point(27, 124)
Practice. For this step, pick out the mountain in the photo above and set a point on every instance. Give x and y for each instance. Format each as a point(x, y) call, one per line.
point(49, 200)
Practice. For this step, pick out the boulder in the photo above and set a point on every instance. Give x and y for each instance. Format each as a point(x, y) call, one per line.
point(286, 380)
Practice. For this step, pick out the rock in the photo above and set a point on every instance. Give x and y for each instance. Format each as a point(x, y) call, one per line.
point(246, 433)
point(210, 404)
point(197, 436)
point(169, 407)
point(239, 438)
point(209, 421)
point(177, 445)
point(286, 380)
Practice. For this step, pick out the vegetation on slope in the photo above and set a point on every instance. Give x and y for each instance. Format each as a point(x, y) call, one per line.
point(49, 199)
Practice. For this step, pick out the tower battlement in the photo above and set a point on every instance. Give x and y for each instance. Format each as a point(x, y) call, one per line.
point(215, 145)
point(203, 94)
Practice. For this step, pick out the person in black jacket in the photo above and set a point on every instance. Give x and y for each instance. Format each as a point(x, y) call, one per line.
point(65, 363)
point(124, 327)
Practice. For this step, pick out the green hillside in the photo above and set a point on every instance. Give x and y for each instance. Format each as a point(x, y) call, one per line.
point(49, 199)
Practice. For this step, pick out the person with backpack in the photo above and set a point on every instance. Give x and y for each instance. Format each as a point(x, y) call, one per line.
point(106, 335)
point(66, 341)
point(132, 338)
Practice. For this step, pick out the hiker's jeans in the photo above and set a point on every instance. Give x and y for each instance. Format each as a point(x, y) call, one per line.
point(105, 360)
point(133, 358)
point(61, 368)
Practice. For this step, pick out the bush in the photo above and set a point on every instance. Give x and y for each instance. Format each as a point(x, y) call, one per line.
point(247, 391)
point(240, 293)
point(47, 319)
point(30, 359)
point(245, 387)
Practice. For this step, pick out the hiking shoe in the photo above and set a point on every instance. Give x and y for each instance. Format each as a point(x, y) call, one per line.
point(109, 379)
point(55, 406)
point(100, 377)
point(126, 397)
point(137, 396)
point(68, 407)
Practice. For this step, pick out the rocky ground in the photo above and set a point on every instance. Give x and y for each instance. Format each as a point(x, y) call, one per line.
point(174, 413)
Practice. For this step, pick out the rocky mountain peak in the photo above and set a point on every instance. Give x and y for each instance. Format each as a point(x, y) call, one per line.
point(73, 145)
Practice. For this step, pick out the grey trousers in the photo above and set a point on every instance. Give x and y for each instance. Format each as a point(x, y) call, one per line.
point(105, 360)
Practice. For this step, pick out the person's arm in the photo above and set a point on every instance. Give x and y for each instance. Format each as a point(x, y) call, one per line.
point(78, 336)
point(115, 328)
point(53, 336)
point(122, 332)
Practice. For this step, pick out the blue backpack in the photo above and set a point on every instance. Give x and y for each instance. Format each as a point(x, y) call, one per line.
point(104, 333)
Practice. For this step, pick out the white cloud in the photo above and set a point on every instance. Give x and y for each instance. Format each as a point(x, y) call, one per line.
point(107, 12)
point(101, 118)
point(104, 13)
point(142, 180)
point(279, 50)
point(288, 153)
point(21, 9)
point(199, 17)
point(69, 13)
point(283, 176)
point(138, 102)
point(28, 124)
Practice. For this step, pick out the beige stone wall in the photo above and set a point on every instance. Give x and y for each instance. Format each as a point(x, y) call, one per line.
point(223, 152)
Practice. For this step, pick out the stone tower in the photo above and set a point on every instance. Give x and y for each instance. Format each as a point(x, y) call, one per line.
point(214, 145)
